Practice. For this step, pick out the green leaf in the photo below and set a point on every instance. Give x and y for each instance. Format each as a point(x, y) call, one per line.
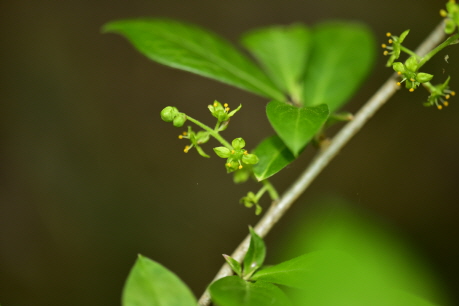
point(234, 291)
point(234, 264)
point(300, 271)
point(273, 156)
point(191, 48)
point(255, 255)
point(296, 126)
point(283, 52)
point(341, 58)
point(151, 284)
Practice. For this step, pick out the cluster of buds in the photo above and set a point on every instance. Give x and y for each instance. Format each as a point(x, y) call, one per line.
point(171, 114)
point(451, 15)
point(237, 156)
point(409, 74)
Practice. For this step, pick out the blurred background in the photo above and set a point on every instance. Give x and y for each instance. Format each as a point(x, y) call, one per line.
point(91, 176)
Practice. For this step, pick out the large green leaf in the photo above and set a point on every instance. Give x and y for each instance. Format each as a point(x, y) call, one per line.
point(191, 48)
point(273, 156)
point(234, 291)
point(296, 126)
point(151, 284)
point(283, 52)
point(341, 57)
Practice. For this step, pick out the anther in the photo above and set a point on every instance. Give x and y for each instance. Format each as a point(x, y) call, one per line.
point(388, 34)
point(411, 89)
point(439, 107)
point(185, 133)
point(180, 137)
point(227, 109)
point(390, 41)
point(215, 104)
point(186, 149)
point(399, 73)
point(386, 53)
point(453, 93)
point(398, 83)
point(228, 164)
point(245, 153)
point(225, 105)
point(447, 96)
point(445, 103)
point(240, 167)
point(232, 151)
point(384, 46)
point(412, 80)
point(443, 13)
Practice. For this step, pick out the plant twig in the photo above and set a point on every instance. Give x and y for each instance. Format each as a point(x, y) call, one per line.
point(278, 208)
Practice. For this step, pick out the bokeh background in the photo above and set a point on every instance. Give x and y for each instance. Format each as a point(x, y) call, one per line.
point(90, 175)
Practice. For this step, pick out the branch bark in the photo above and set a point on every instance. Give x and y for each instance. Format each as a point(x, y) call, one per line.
point(278, 209)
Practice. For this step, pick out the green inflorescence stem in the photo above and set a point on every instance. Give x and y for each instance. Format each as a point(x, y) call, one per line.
point(440, 47)
point(212, 132)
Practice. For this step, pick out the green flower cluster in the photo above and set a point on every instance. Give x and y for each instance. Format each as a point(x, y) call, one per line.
point(395, 49)
point(451, 15)
point(439, 95)
point(409, 73)
point(237, 156)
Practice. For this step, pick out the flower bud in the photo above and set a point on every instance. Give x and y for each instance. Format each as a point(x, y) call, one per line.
point(412, 63)
point(238, 143)
point(250, 159)
point(222, 152)
point(179, 120)
point(422, 77)
point(168, 113)
point(398, 67)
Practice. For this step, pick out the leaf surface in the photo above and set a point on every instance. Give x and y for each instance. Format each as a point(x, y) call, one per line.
point(151, 284)
point(296, 126)
point(191, 48)
point(283, 52)
point(234, 291)
point(341, 57)
point(273, 156)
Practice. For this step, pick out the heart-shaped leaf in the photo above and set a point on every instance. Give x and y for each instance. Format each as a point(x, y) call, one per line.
point(341, 57)
point(283, 52)
point(191, 48)
point(296, 126)
point(234, 291)
point(151, 284)
point(273, 156)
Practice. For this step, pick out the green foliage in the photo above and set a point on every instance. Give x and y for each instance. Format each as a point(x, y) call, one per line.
point(191, 48)
point(150, 284)
point(273, 156)
point(234, 291)
point(283, 52)
point(341, 57)
point(296, 126)
point(255, 255)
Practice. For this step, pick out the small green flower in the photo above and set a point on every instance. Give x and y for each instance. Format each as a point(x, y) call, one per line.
point(409, 74)
point(222, 112)
point(196, 140)
point(395, 49)
point(451, 16)
point(237, 156)
point(250, 200)
point(439, 95)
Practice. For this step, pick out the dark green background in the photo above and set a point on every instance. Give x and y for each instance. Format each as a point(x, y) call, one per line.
point(90, 175)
